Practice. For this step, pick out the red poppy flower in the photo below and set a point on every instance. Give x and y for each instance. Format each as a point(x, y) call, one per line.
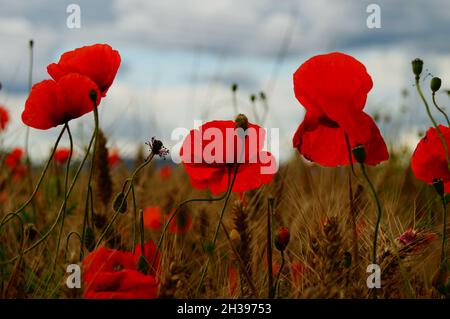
point(165, 172)
point(333, 89)
point(428, 161)
point(52, 103)
point(99, 62)
point(14, 158)
point(4, 118)
point(210, 153)
point(152, 217)
point(181, 224)
point(62, 155)
point(110, 273)
point(113, 158)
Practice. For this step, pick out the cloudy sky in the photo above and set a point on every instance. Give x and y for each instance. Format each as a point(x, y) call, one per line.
point(179, 59)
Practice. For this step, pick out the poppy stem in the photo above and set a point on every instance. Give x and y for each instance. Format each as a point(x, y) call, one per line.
point(444, 233)
point(16, 267)
point(91, 171)
point(66, 181)
point(440, 109)
point(216, 233)
point(351, 202)
point(66, 247)
point(69, 192)
point(269, 249)
point(283, 262)
point(419, 90)
point(27, 133)
point(124, 199)
point(41, 178)
point(133, 196)
point(378, 220)
point(177, 210)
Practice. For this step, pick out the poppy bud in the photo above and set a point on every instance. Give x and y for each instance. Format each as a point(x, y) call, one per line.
point(234, 87)
point(235, 236)
point(435, 84)
point(347, 259)
point(438, 185)
point(31, 43)
point(89, 239)
point(417, 65)
point(262, 95)
point(359, 153)
point(282, 239)
point(252, 98)
point(241, 121)
point(93, 96)
point(120, 203)
point(142, 265)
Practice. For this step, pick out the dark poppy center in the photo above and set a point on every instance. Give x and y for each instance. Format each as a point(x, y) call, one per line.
point(326, 121)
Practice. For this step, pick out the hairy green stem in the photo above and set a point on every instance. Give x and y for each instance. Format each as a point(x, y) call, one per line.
point(440, 109)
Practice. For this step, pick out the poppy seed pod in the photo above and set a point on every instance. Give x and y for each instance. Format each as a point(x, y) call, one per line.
point(435, 84)
point(241, 121)
point(234, 87)
point(438, 185)
point(252, 98)
point(282, 239)
point(359, 153)
point(417, 66)
point(93, 95)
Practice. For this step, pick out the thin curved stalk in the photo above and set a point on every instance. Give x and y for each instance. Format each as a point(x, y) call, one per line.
point(440, 109)
point(66, 182)
point(38, 185)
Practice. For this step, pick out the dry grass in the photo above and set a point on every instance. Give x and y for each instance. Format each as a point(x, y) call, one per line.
point(312, 201)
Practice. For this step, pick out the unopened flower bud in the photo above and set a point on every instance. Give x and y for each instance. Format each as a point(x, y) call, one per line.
point(89, 239)
point(347, 259)
point(282, 239)
point(143, 265)
point(417, 65)
point(438, 185)
point(359, 153)
point(120, 203)
point(234, 87)
point(435, 84)
point(252, 98)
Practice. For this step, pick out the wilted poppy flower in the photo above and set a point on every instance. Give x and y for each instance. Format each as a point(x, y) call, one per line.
point(333, 89)
point(4, 118)
point(62, 155)
point(210, 154)
point(14, 158)
point(428, 161)
point(99, 62)
point(152, 217)
point(52, 103)
point(113, 158)
point(113, 274)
